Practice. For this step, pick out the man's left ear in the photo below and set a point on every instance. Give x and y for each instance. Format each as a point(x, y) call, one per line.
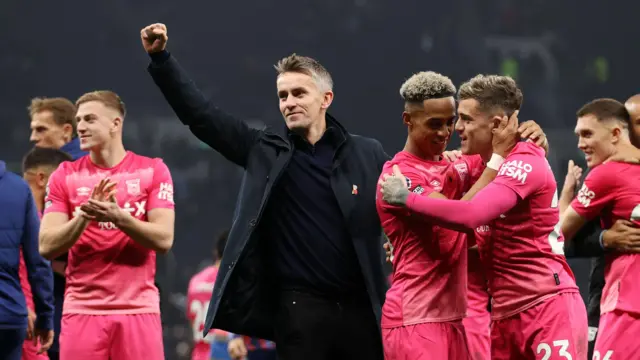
point(327, 100)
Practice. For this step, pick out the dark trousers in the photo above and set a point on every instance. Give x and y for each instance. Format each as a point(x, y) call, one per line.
point(11, 343)
point(314, 328)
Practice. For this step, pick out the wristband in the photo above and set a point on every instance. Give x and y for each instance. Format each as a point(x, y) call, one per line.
point(495, 162)
point(601, 239)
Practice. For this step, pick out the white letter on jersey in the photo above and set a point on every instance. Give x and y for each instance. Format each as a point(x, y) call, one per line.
point(516, 169)
point(166, 192)
point(585, 195)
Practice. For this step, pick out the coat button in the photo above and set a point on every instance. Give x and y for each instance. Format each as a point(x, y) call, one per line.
point(252, 223)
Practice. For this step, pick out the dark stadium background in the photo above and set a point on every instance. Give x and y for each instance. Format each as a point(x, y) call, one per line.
point(562, 54)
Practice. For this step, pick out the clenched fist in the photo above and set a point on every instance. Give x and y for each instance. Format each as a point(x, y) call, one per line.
point(154, 38)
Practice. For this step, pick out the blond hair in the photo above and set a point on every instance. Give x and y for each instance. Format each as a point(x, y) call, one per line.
point(308, 66)
point(107, 97)
point(426, 85)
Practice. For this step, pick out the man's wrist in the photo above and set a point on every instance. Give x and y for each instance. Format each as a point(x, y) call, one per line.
point(159, 57)
point(495, 162)
point(123, 219)
point(601, 240)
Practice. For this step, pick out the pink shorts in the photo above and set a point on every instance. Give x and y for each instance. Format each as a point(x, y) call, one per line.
point(426, 341)
point(478, 330)
point(555, 329)
point(104, 337)
point(30, 351)
point(617, 336)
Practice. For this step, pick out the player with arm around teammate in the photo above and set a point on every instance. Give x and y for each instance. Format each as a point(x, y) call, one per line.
point(537, 311)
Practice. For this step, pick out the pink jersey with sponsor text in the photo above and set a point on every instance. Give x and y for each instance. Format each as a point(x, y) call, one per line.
point(198, 297)
point(611, 191)
point(107, 271)
point(523, 257)
point(430, 262)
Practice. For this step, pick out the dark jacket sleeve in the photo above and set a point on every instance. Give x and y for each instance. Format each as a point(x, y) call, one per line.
point(586, 243)
point(38, 269)
point(231, 137)
point(596, 284)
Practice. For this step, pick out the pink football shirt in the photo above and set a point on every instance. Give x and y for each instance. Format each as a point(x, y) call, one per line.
point(524, 257)
point(430, 262)
point(611, 191)
point(198, 297)
point(107, 271)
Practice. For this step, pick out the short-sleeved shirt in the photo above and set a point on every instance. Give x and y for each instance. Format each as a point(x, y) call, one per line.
point(523, 257)
point(611, 191)
point(430, 261)
point(108, 272)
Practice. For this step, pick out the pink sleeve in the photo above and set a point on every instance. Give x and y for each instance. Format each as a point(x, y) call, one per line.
point(596, 192)
point(56, 198)
point(161, 196)
point(417, 186)
point(488, 204)
point(523, 173)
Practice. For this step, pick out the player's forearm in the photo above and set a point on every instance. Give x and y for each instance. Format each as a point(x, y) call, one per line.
point(565, 200)
point(487, 205)
point(157, 237)
point(487, 177)
point(58, 240)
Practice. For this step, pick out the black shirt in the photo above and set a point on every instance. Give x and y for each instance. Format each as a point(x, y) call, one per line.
point(312, 248)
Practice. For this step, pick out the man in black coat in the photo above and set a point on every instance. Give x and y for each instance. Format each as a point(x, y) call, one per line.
point(303, 264)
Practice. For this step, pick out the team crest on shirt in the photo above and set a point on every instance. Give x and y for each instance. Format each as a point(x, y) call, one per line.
point(462, 169)
point(408, 182)
point(133, 186)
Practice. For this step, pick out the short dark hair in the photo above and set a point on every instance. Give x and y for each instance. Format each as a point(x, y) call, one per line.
point(221, 243)
point(38, 156)
point(493, 92)
point(308, 66)
point(606, 109)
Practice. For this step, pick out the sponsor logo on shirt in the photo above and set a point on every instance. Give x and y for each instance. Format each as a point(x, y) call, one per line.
point(437, 186)
point(166, 192)
point(483, 229)
point(516, 169)
point(418, 190)
point(585, 196)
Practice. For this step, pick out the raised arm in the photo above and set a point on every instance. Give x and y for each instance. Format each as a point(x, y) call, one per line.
point(226, 134)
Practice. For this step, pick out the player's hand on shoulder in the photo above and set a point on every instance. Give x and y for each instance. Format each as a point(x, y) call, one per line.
point(154, 38)
point(622, 236)
point(530, 130)
point(452, 156)
point(394, 187)
point(627, 154)
point(505, 135)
